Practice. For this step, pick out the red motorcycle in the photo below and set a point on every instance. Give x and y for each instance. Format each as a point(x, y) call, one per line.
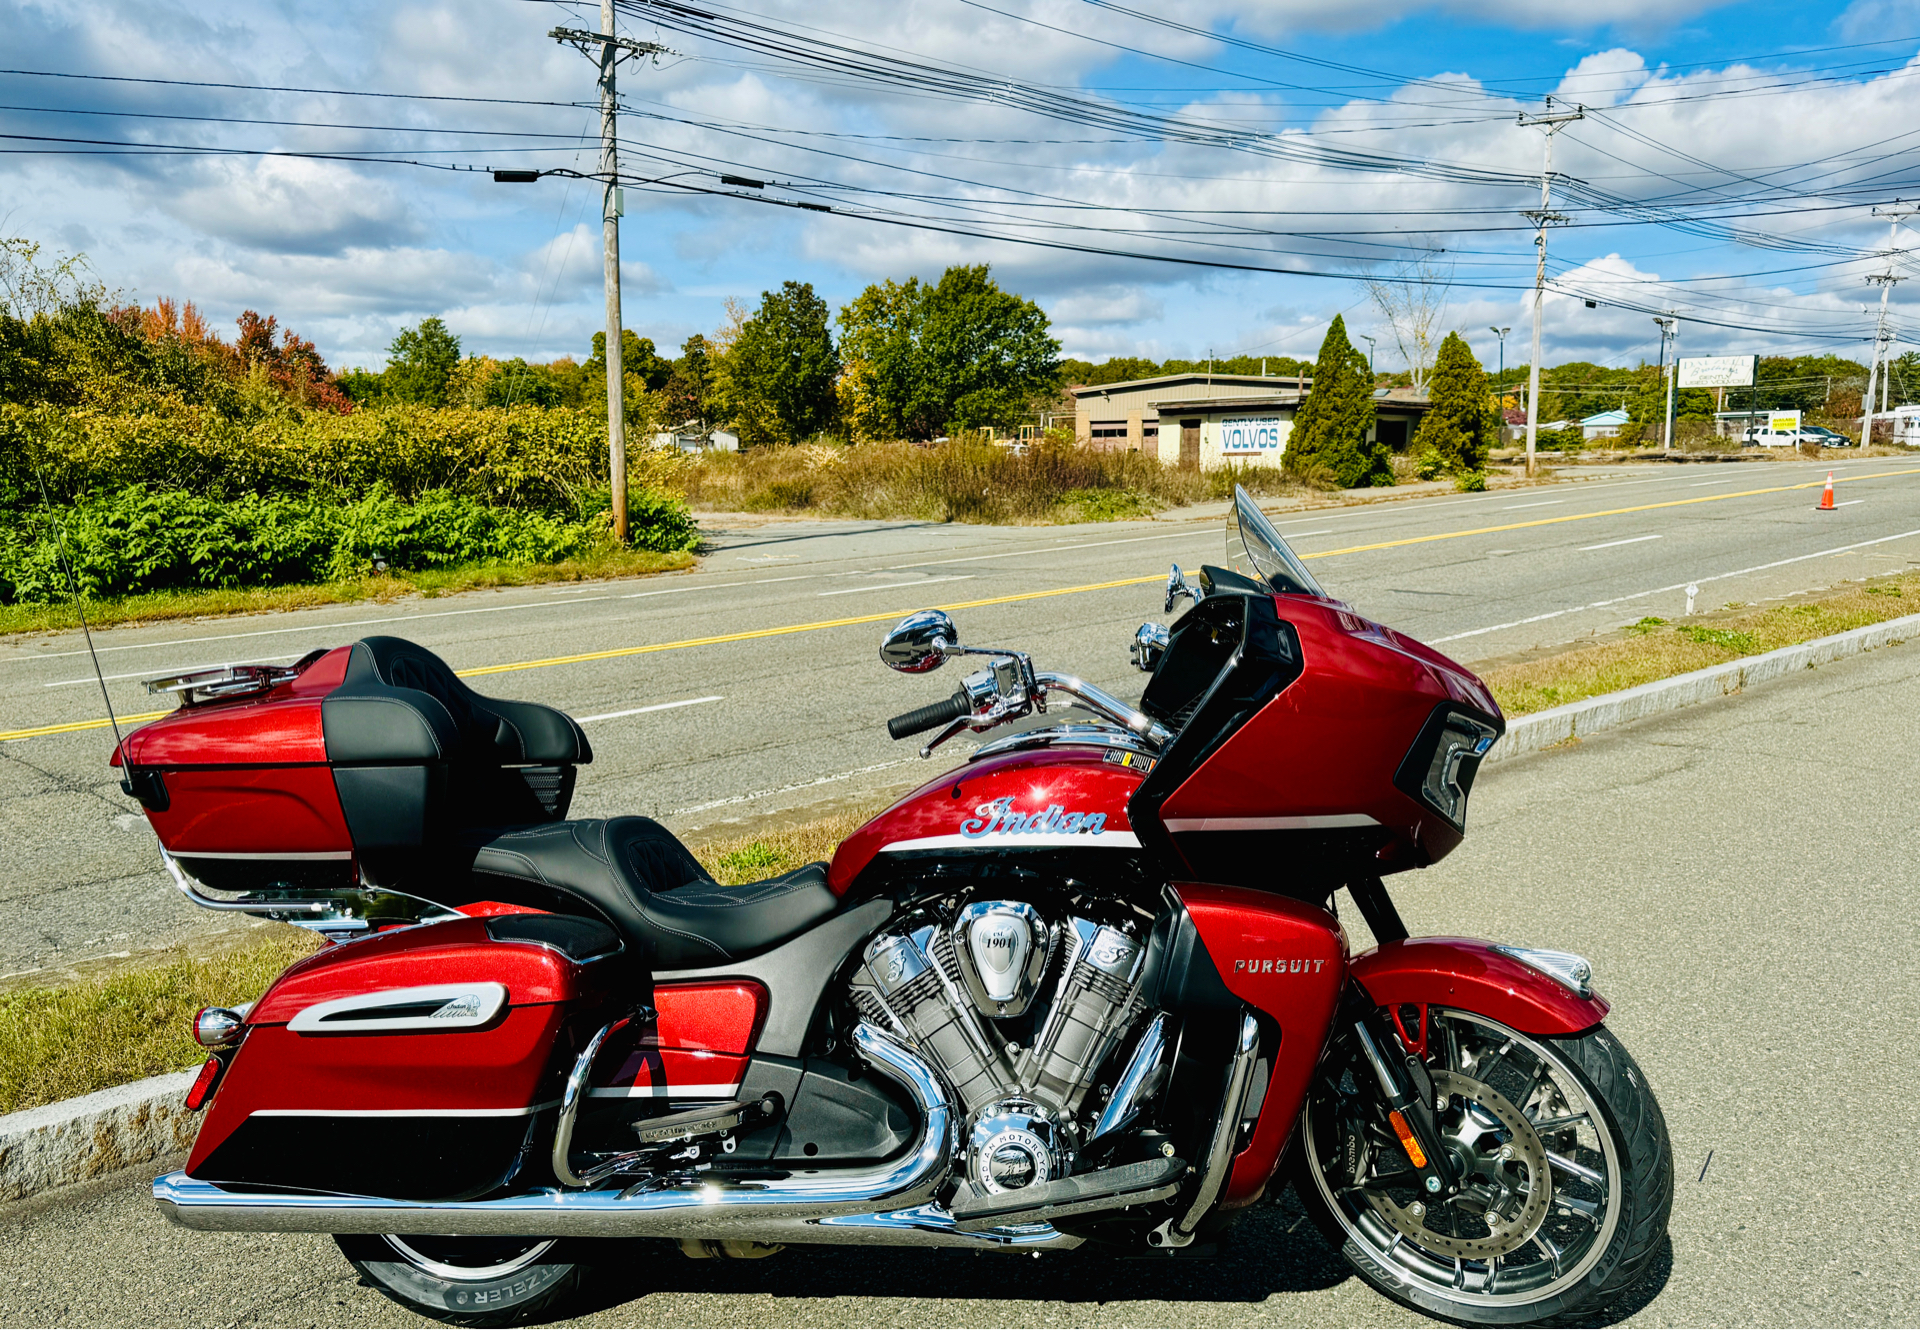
point(1086, 989)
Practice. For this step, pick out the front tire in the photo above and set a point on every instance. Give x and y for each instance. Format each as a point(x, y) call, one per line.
point(1569, 1176)
point(469, 1281)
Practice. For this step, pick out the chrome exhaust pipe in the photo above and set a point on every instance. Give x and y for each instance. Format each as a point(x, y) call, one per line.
point(887, 1203)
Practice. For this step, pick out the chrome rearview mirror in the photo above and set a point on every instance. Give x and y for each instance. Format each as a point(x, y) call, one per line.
point(1149, 644)
point(1177, 587)
point(919, 642)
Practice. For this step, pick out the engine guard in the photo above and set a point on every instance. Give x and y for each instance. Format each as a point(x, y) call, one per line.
point(1470, 974)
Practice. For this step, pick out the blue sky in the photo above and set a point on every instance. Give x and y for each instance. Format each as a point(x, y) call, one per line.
point(1700, 104)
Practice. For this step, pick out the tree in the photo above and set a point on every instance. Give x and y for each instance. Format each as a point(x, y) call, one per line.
point(419, 362)
point(637, 358)
point(956, 354)
point(1412, 302)
point(691, 383)
point(1332, 428)
point(782, 367)
point(1463, 424)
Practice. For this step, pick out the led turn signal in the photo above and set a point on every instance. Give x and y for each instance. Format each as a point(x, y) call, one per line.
point(1407, 1142)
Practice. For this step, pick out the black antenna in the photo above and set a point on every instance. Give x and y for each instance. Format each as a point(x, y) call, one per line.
point(80, 607)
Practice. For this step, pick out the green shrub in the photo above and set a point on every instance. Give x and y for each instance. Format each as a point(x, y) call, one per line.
point(1471, 482)
point(138, 539)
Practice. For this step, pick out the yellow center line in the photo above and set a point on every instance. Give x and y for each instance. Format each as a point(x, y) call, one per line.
point(786, 630)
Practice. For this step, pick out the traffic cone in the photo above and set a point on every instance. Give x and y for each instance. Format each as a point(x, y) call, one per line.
point(1826, 498)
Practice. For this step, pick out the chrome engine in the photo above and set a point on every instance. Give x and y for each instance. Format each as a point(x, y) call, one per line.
point(961, 991)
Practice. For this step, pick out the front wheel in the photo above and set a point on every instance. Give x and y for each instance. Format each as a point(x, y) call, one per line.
point(1566, 1167)
point(469, 1281)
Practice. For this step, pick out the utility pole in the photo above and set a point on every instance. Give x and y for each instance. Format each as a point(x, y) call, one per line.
point(1669, 370)
point(1551, 121)
point(611, 51)
point(1896, 214)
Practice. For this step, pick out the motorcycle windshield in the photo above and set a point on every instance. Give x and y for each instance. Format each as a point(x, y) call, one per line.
point(1255, 549)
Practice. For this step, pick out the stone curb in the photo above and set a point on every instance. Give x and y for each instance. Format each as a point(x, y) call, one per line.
point(80, 1139)
point(75, 1140)
point(1544, 729)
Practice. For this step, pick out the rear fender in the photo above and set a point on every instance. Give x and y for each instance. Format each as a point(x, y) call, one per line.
point(1468, 974)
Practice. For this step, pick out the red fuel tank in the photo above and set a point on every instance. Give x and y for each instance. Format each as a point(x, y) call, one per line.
point(1052, 798)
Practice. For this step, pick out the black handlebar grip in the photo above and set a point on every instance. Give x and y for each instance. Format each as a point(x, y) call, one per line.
point(932, 716)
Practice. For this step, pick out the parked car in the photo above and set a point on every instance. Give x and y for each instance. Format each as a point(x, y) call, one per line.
point(1825, 437)
point(1772, 438)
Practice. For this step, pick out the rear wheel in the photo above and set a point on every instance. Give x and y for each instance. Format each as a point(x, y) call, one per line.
point(1567, 1176)
point(468, 1281)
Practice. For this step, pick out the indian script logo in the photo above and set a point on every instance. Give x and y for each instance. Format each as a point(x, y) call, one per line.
point(997, 818)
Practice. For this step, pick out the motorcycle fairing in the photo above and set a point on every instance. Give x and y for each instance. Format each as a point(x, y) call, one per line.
point(1473, 975)
point(1287, 960)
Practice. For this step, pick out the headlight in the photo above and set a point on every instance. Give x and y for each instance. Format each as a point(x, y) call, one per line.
point(1443, 761)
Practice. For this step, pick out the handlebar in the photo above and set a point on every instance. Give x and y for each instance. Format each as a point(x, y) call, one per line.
point(932, 716)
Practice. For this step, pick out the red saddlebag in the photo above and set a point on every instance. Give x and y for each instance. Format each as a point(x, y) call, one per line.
point(419, 1064)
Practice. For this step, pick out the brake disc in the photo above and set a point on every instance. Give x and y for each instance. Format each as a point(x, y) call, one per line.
point(1505, 1186)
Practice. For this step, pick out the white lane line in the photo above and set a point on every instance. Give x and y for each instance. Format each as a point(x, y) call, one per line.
point(1544, 503)
point(1675, 586)
point(1302, 535)
point(158, 671)
point(311, 628)
point(641, 711)
point(720, 586)
point(1724, 480)
point(1197, 530)
point(802, 785)
point(1607, 545)
point(1849, 503)
point(896, 586)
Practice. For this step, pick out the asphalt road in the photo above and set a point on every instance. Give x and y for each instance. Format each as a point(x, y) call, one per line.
point(1741, 875)
point(750, 688)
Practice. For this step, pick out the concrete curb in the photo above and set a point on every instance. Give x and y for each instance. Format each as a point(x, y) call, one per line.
point(75, 1140)
point(1544, 729)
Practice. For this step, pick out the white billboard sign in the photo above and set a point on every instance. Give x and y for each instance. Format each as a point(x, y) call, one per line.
point(1243, 436)
point(1717, 371)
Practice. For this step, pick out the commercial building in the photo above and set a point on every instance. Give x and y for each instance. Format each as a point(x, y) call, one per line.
point(1201, 421)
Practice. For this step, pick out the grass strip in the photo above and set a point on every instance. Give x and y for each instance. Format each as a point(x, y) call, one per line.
point(157, 606)
point(1659, 649)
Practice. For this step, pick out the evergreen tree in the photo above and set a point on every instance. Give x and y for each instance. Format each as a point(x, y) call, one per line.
point(1463, 423)
point(1331, 429)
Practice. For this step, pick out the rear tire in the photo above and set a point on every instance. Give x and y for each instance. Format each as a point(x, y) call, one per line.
point(469, 1281)
point(1609, 1173)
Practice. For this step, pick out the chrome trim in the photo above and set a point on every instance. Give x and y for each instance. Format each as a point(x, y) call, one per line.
point(1064, 736)
point(462, 1007)
point(570, 1109)
point(1324, 822)
point(1150, 642)
point(1103, 703)
point(796, 1206)
point(191, 889)
point(223, 681)
point(301, 856)
point(469, 1272)
point(1226, 1132)
point(338, 918)
point(216, 1027)
point(1145, 1060)
point(1574, 973)
point(1177, 589)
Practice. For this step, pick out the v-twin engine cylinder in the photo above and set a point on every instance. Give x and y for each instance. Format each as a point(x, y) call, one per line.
point(953, 989)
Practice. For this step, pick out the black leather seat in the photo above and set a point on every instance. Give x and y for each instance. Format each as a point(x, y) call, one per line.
point(636, 873)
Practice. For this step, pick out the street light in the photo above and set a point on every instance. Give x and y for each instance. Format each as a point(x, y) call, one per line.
point(1500, 393)
point(1369, 341)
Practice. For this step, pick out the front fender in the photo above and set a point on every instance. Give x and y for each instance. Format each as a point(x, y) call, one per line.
point(1469, 974)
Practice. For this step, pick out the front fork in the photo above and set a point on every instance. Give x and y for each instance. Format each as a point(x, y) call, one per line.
point(1406, 1087)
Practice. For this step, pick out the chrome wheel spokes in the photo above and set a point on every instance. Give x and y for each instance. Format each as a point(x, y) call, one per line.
point(1540, 1178)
